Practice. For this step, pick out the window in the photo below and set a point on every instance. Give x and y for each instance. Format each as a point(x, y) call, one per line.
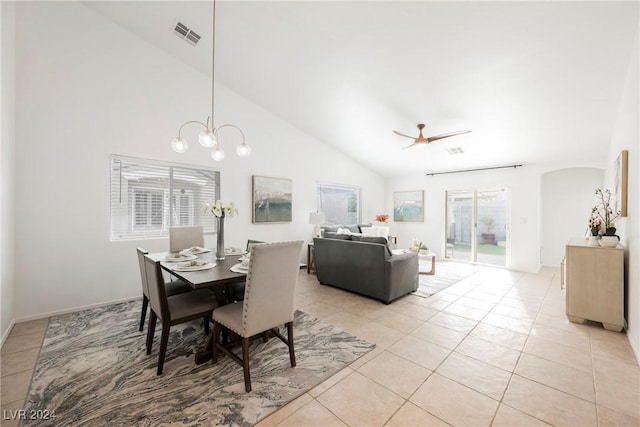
point(148, 197)
point(340, 203)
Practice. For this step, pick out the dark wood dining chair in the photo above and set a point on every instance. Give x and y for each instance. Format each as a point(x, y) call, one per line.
point(174, 309)
point(185, 237)
point(268, 302)
point(174, 287)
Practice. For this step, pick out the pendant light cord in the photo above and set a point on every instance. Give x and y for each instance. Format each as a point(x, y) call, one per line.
point(213, 63)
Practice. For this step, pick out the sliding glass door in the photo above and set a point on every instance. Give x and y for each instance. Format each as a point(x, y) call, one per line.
point(460, 230)
point(476, 226)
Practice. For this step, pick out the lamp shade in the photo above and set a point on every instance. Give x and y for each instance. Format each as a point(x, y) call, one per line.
point(316, 218)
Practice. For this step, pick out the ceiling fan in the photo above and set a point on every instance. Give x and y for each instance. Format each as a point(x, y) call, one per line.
point(421, 141)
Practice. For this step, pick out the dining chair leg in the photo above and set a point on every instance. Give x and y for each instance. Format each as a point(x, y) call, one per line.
point(245, 363)
point(206, 320)
point(151, 330)
point(292, 354)
point(217, 332)
point(164, 340)
point(145, 304)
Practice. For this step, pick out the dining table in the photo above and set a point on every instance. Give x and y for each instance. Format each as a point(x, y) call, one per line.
point(217, 279)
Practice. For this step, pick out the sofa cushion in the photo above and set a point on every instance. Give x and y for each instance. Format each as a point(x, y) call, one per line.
point(337, 236)
point(371, 239)
point(331, 228)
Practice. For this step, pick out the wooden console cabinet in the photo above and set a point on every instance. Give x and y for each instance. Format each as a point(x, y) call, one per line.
point(595, 284)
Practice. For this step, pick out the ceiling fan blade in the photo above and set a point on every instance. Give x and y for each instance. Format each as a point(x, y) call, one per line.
point(402, 134)
point(409, 146)
point(447, 135)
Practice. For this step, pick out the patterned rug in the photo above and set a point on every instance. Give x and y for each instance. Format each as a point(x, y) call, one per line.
point(93, 371)
point(447, 273)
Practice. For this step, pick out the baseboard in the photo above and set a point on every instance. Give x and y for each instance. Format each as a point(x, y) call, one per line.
point(7, 333)
point(71, 310)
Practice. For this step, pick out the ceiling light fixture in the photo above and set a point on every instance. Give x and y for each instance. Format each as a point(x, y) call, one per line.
point(208, 138)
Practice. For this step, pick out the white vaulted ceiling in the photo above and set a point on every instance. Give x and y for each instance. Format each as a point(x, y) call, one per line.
point(536, 82)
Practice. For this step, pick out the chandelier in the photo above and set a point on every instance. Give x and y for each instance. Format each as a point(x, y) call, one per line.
point(209, 137)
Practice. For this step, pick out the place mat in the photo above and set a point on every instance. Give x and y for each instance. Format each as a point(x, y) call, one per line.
point(93, 370)
point(206, 266)
point(181, 258)
point(195, 250)
point(238, 268)
point(234, 251)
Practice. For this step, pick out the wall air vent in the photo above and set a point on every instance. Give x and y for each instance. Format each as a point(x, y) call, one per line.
point(186, 34)
point(455, 150)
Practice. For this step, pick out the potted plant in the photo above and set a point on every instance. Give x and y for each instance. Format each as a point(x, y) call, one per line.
point(603, 212)
point(488, 238)
point(382, 218)
point(594, 228)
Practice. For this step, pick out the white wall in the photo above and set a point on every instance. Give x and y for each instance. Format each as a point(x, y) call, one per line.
point(86, 89)
point(567, 196)
point(524, 188)
point(626, 136)
point(7, 115)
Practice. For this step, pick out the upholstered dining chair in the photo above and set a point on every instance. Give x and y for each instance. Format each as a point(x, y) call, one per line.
point(236, 290)
point(185, 237)
point(172, 288)
point(174, 309)
point(268, 302)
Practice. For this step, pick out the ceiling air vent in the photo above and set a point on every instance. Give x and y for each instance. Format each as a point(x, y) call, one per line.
point(455, 150)
point(186, 34)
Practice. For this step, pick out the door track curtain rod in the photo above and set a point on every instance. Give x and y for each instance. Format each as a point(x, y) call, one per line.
point(475, 170)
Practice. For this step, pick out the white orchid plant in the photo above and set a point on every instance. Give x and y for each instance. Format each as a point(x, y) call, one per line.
point(602, 215)
point(221, 209)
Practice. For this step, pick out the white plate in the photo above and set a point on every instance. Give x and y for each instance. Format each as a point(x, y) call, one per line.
point(195, 267)
point(239, 269)
point(182, 258)
point(194, 251)
point(234, 251)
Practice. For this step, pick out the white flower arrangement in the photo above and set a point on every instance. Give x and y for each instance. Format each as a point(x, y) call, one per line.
point(603, 216)
point(221, 209)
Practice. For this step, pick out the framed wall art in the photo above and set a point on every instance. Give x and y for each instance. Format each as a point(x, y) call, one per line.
point(408, 206)
point(272, 199)
point(620, 173)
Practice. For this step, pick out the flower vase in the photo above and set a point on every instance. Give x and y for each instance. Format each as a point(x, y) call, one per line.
point(220, 237)
point(593, 241)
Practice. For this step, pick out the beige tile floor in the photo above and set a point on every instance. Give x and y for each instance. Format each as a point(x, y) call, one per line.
point(494, 349)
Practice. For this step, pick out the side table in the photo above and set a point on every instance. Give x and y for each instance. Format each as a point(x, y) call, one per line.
point(426, 256)
point(309, 257)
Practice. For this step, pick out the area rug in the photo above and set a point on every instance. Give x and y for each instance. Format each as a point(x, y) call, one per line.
point(93, 371)
point(447, 273)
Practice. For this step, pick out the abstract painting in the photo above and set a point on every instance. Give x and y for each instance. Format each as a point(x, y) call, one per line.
point(272, 199)
point(408, 206)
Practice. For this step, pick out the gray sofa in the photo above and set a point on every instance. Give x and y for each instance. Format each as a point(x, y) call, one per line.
point(365, 266)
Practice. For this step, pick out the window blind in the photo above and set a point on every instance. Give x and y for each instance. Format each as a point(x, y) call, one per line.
point(148, 197)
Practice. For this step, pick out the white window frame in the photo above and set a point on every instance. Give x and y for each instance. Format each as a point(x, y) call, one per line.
point(130, 176)
point(323, 206)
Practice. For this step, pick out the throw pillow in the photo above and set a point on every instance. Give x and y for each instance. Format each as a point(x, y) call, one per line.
point(353, 228)
point(361, 226)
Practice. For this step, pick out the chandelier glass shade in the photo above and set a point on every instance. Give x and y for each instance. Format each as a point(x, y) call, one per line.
point(209, 136)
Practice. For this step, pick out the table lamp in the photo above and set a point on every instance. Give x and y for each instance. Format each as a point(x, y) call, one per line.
point(316, 218)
